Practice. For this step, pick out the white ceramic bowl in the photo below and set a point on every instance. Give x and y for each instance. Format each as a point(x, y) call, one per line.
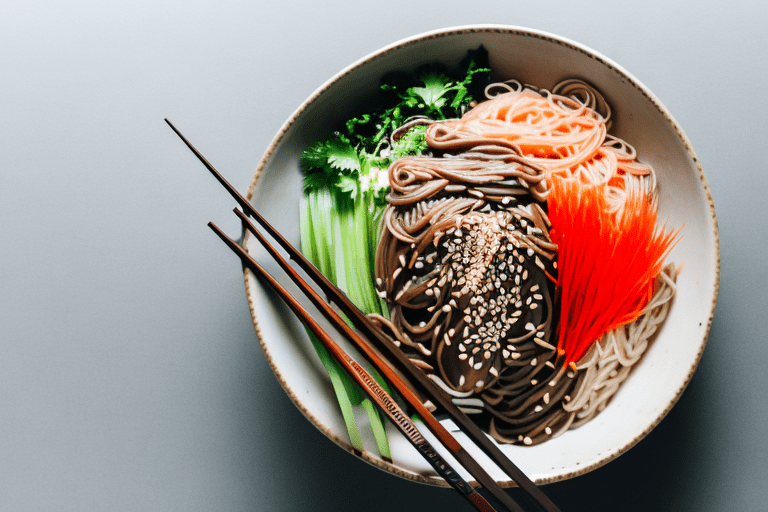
point(639, 117)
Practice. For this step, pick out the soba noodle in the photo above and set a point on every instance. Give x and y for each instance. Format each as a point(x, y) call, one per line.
point(468, 267)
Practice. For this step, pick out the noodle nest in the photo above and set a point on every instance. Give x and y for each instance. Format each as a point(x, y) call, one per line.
point(468, 268)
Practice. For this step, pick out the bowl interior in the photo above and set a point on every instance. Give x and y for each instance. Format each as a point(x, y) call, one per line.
point(639, 118)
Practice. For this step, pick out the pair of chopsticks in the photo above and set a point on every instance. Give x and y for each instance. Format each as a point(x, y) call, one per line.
point(385, 345)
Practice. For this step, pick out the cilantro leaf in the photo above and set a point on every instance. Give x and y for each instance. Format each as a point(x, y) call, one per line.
point(432, 95)
point(341, 155)
point(315, 157)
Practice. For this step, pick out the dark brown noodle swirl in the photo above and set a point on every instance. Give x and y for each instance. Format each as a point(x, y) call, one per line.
point(466, 264)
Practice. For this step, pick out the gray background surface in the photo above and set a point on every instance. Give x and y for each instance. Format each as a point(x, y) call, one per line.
point(130, 375)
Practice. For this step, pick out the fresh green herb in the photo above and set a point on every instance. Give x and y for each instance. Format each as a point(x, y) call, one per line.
point(345, 187)
point(363, 149)
point(414, 142)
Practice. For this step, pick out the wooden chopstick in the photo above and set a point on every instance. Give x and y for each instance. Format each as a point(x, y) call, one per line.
point(369, 385)
point(385, 344)
point(442, 434)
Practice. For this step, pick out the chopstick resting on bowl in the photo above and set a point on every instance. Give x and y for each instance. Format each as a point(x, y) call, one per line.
point(386, 346)
point(369, 385)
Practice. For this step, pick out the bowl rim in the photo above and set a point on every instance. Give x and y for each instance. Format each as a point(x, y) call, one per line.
point(501, 29)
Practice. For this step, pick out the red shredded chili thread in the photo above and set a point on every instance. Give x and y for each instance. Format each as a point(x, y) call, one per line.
point(607, 262)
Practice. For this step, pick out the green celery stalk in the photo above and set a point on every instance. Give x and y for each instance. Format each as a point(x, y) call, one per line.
point(330, 236)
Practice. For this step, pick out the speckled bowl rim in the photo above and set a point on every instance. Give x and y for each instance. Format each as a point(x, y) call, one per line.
point(497, 29)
